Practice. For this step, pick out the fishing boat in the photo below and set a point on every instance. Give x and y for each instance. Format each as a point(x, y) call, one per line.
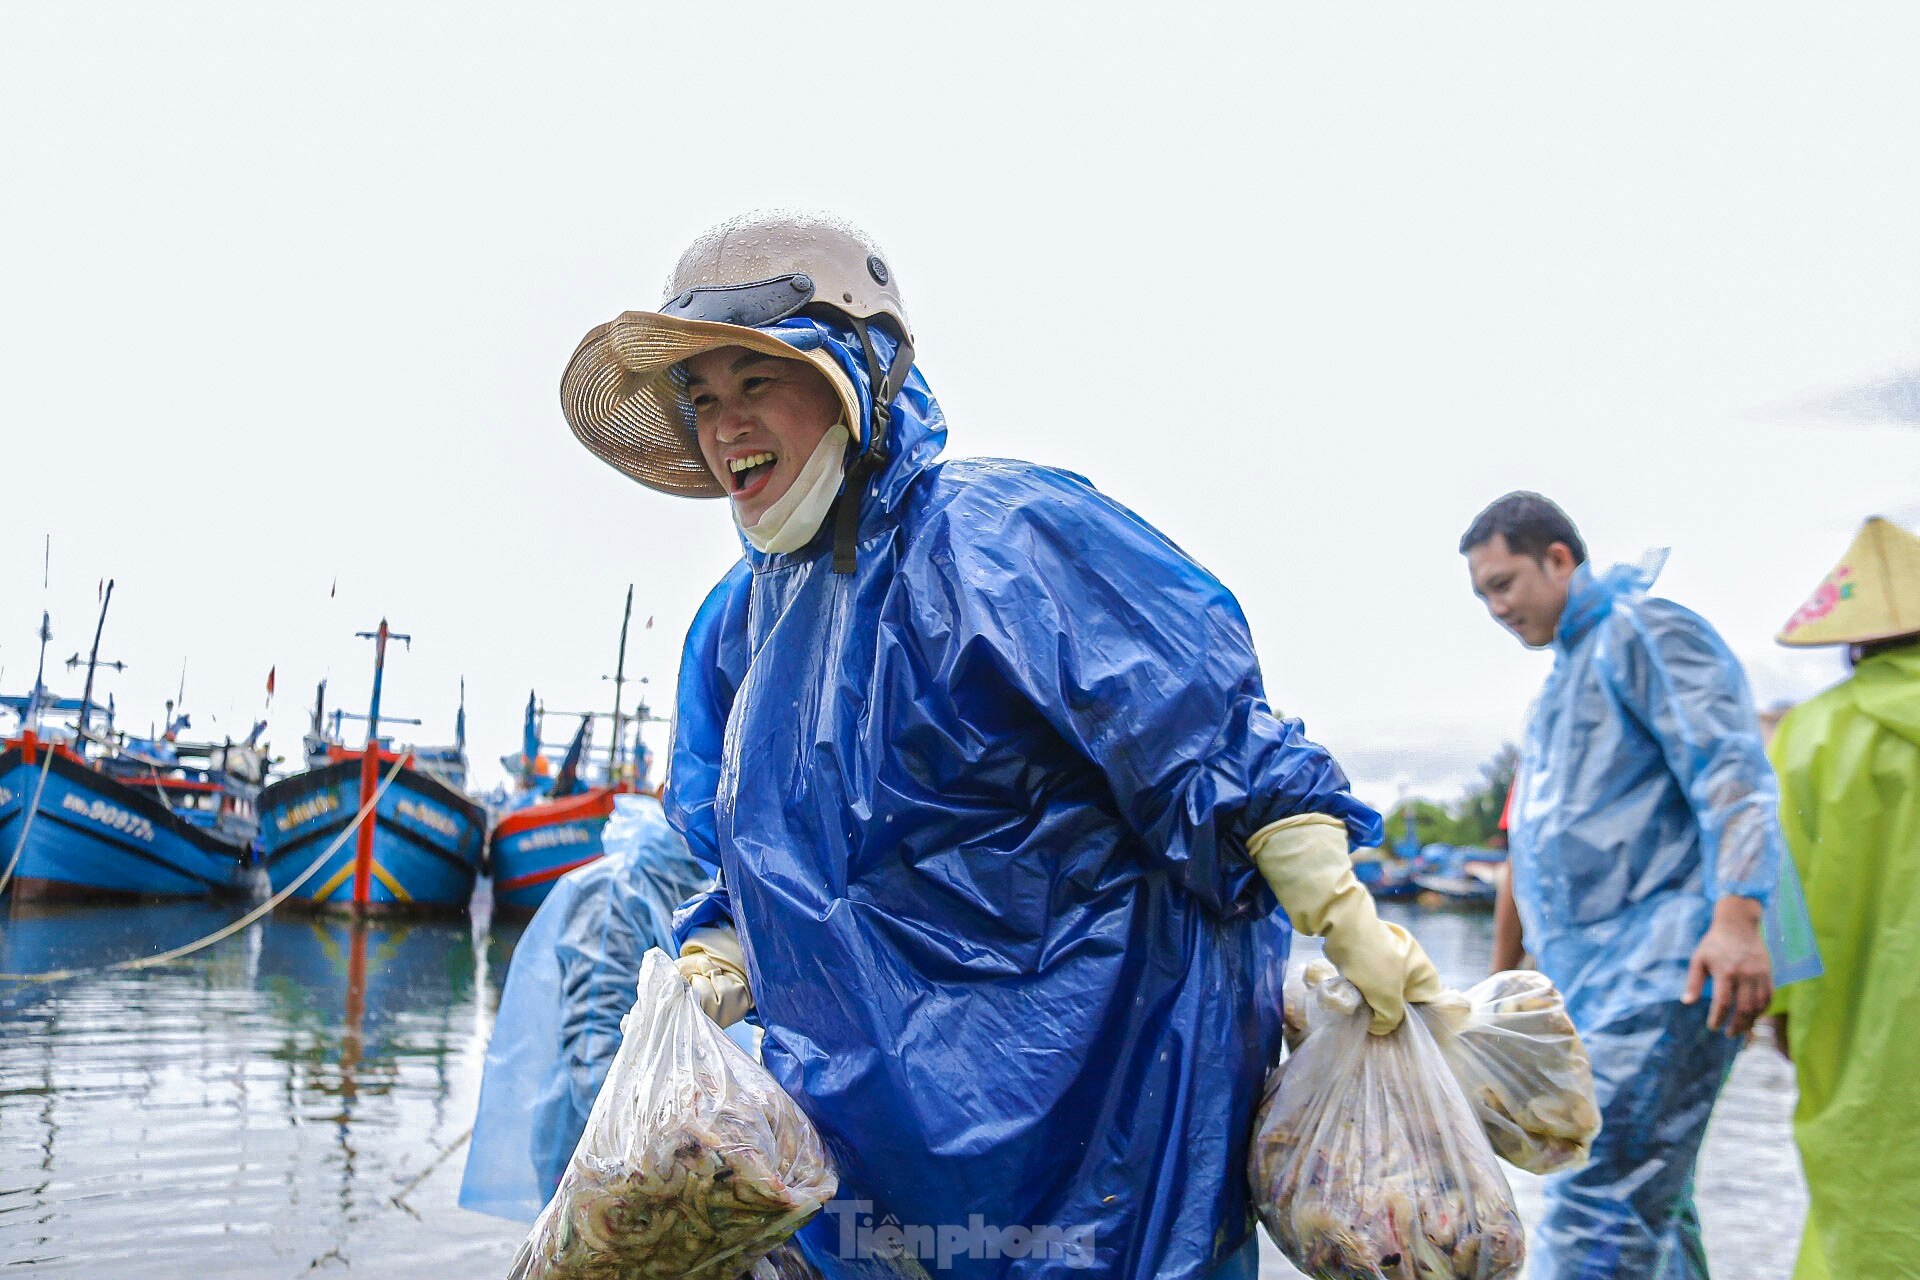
point(1383, 875)
point(1459, 875)
point(553, 821)
point(421, 850)
point(97, 816)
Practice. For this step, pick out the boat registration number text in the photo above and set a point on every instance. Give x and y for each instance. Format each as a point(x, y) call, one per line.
point(550, 837)
point(307, 810)
point(428, 817)
point(108, 815)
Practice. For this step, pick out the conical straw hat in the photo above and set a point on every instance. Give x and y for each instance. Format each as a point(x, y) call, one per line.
point(1872, 594)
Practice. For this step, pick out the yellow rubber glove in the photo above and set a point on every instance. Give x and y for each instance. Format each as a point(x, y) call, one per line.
point(716, 968)
point(1304, 859)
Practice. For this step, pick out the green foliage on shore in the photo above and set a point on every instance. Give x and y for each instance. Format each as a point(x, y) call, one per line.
point(1473, 819)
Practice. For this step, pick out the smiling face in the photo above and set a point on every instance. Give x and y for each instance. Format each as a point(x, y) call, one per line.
point(1524, 595)
point(758, 419)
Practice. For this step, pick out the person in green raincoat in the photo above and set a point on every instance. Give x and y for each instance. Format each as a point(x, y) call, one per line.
point(1849, 767)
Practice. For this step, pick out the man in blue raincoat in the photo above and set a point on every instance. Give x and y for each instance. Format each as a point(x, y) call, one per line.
point(998, 807)
point(1644, 845)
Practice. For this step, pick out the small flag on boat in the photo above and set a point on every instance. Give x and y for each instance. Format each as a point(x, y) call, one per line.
point(567, 781)
point(270, 674)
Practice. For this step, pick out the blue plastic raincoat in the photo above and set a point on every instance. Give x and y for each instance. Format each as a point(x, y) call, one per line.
point(571, 981)
point(1644, 796)
point(980, 809)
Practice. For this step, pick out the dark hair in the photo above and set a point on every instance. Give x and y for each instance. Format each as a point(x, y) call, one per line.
point(1529, 523)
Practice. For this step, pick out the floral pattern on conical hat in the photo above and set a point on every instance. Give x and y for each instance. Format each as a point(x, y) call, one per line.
point(1872, 594)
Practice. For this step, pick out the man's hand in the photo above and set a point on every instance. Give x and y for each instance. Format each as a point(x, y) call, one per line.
point(1734, 956)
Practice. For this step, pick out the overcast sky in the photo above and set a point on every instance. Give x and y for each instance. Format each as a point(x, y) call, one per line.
point(286, 292)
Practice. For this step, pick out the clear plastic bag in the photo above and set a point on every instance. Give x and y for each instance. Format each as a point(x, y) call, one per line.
point(1367, 1163)
point(1520, 1062)
point(1514, 1050)
point(693, 1163)
point(785, 1263)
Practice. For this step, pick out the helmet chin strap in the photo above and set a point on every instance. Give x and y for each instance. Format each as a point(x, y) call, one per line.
point(885, 383)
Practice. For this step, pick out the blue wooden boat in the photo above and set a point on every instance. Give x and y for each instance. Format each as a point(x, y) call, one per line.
point(97, 816)
point(534, 846)
point(420, 851)
point(1459, 875)
point(1384, 878)
point(94, 837)
point(553, 823)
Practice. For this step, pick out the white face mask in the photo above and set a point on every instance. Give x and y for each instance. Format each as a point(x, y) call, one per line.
point(795, 516)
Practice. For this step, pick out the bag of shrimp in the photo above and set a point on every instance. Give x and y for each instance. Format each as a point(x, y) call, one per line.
point(693, 1163)
point(1517, 1056)
point(1368, 1164)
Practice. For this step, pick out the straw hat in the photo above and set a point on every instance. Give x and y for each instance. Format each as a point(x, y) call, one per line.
point(623, 391)
point(1872, 594)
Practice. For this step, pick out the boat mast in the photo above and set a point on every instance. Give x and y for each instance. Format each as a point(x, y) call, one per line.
point(93, 660)
point(619, 684)
point(370, 767)
point(379, 639)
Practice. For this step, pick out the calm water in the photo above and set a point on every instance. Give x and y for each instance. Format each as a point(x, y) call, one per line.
point(274, 1107)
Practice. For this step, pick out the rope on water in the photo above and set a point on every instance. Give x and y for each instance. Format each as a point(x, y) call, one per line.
point(27, 824)
point(166, 957)
point(399, 1198)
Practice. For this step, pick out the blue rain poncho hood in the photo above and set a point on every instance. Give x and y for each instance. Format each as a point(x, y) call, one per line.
point(1643, 796)
point(979, 813)
point(911, 442)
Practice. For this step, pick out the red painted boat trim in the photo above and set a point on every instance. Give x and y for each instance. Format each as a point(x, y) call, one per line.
point(31, 745)
point(337, 753)
point(170, 784)
point(545, 874)
point(594, 803)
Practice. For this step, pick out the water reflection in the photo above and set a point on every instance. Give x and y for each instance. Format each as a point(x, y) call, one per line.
point(255, 1110)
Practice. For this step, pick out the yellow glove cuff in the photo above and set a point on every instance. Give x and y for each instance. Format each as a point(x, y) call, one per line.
point(1304, 860)
point(715, 966)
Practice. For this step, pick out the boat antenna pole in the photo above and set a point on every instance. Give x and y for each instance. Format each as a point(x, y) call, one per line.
point(619, 684)
point(40, 674)
point(93, 660)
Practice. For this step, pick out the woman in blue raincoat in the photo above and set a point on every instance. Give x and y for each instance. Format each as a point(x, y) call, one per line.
point(984, 763)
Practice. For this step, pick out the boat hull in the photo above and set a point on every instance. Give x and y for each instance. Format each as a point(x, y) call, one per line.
point(533, 847)
point(94, 838)
point(425, 856)
point(14, 793)
point(1463, 891)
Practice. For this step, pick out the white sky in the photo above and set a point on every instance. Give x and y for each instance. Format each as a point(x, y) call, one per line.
point(286, 291)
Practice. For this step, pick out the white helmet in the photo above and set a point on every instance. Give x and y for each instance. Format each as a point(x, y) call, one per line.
point(623, 392)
